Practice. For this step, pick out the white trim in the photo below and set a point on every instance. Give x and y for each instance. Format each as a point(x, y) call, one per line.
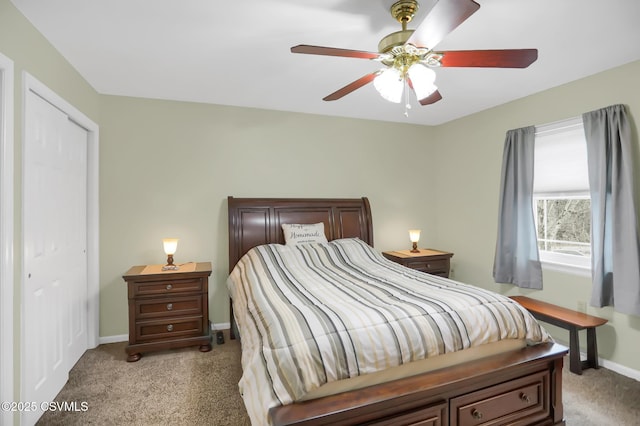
point(562, 262)
point(124, 337)
point(6, 235)
point(563, 267)
point(620, 369)
point(221, 326)
point(609, 365)
point(105, 340)
point(559, 126)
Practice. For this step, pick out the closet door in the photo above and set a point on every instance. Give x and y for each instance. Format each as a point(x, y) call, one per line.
point(54, 296)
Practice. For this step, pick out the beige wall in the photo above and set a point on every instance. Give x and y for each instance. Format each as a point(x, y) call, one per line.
point(168, 167)
point(469, 152)
point(32, 53)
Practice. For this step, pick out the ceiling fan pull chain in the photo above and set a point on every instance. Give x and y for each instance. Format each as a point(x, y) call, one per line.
point(407, 105)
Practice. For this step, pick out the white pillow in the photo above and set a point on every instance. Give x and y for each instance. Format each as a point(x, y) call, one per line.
point(295, 233)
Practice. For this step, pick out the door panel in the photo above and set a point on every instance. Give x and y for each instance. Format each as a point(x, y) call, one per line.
point(55, 258)
point(76, 238)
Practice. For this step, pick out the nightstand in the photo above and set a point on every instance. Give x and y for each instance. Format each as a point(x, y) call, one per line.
point(168, 309)
point(433, 262)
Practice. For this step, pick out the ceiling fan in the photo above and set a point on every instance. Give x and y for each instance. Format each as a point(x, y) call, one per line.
point(408, 56)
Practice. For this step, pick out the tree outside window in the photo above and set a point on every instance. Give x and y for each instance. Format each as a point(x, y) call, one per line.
point(564, 225)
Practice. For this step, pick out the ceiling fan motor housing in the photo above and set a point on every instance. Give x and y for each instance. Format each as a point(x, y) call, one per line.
point(393, 40)
point(403, 11)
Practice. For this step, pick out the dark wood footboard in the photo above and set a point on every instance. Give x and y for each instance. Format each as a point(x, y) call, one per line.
point(521, 387)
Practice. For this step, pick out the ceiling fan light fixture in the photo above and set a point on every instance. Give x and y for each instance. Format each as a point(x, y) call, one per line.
point(422, 80)
point(407, 55)
point(389, 83)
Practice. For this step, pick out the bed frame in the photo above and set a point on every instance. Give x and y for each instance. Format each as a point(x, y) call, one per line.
point(522, 387)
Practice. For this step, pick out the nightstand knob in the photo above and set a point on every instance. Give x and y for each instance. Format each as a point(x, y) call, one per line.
point(476, 414)
point(169, 286)
point(170, 327)
point(169, 306)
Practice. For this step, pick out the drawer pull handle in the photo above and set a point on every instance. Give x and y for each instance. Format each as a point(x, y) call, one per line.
point(169, 306)
point(525, 398)
point(169, 286)
point(476, 414)
point(170, 327)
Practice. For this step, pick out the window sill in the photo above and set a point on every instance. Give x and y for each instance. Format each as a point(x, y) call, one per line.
point(569, 269)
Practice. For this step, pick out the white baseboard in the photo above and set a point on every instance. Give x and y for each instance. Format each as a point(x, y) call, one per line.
point(220, 326)
point(620, 369)
point(609, 365)
point(103, 340)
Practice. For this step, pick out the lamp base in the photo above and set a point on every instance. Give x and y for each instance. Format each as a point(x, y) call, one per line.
point(414, 247)
point(170, 268)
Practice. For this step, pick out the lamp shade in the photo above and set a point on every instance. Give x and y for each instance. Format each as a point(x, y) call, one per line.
point(414, 235)
point(170, 245)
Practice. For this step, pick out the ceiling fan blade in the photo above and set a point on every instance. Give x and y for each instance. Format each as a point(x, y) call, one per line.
point(443, 18)
point(333, 51)
point(508, 58)
point(431, 99)
point(351, 87)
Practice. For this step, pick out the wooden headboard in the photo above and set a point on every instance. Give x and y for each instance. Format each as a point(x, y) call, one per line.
point(256, 221)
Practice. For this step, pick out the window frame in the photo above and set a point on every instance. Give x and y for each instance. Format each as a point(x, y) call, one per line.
point(562, 261)
point(577, 265)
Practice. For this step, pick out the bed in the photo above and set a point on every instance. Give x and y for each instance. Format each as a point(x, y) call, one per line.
point(519, 382)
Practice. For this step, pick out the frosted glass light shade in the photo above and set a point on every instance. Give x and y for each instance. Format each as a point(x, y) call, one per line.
point(414, 236)
point(422, 79)
point(389, 84)
point(170, 245)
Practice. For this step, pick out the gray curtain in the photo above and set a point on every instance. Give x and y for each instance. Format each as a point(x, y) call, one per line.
point(516, 258)
point(615, 249)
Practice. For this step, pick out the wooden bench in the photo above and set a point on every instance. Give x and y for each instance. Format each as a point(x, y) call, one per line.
point(573, 321)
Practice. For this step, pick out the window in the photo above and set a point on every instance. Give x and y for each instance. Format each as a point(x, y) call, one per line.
point(562, 204)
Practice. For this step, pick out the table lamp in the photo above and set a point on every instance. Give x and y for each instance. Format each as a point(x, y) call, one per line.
point(170, 246)
point(414, 236)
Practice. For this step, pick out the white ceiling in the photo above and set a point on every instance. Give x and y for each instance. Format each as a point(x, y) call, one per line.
point(237, 52)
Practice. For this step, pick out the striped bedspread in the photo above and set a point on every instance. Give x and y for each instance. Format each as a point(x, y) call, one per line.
point(314, 313)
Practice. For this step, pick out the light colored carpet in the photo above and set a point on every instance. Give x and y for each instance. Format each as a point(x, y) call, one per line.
point(187, 387)
point(600, 398)
point(179, 387)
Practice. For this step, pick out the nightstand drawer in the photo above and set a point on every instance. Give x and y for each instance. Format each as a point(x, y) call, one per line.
point(152, 288)
point(434, 262)
point(430, 266)
point(170, 328)
point(163, 307)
